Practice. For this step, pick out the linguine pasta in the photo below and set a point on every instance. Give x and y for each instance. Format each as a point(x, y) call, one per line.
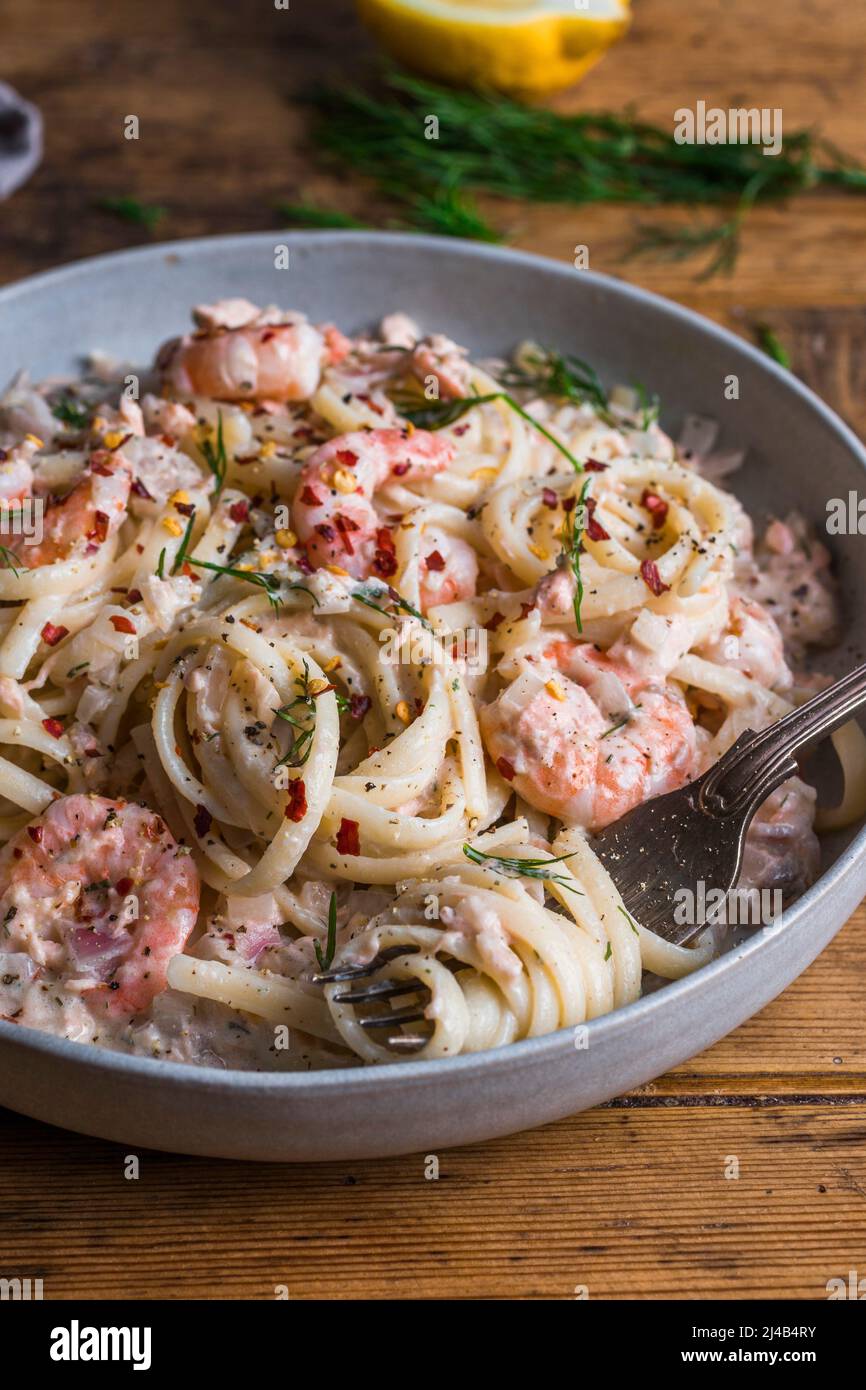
point(328, 656)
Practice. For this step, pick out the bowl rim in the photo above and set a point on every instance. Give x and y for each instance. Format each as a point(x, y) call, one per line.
point(529, 1051)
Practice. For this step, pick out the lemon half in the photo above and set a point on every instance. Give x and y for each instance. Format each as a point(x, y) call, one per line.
point(516, 46)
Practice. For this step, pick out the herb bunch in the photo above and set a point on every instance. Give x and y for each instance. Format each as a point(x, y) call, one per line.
point(492, 144)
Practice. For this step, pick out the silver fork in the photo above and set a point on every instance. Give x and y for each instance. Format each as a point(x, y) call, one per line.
point(677, 841)
point(697, 834)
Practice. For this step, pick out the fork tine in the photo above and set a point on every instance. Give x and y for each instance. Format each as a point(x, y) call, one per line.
point(357, 972)
point(410, 1015)
point(386, 989)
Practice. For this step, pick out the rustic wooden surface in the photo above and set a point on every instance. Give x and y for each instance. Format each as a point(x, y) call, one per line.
point(632, 1199)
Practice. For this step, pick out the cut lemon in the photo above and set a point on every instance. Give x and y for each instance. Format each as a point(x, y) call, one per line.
point(516, 46)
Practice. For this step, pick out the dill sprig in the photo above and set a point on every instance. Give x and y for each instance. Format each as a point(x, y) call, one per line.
point(514, 867)
point(308, 215)
point(437, 415)
point(772, 345)
point(305, 701)
point(572, 547)
point(402, 605)
point(180, 558)
point(215, 455)
point(131, 210)
point(269, 582)
point(72, 412)
point(7, 563)
point(491, 144)
point(326, 958)
point(628, 918)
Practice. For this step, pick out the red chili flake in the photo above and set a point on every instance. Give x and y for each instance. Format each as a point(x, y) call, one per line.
point(51, 635)
point(122, 886)
point(310, 498)
point(133, 595)
point(202, 820)
point(505, 769)
point(345, 458)
point(345, 526)
point(100, 529)
point(303, 564)
point(460, 429)
point(526, 609)
point(325, 531)
point(385, 541)
point(296, 806)
point(122, 624)
point(651, 577)
point(656, 506)
point(168, 440)
point(594, 466)
point(435, 561)
point(96, 466)
point(359, 705)
point(35, 833)
point(53, 727)
point(568, 504)
point(267, 335)
point(549, 497)
point(189, 572)
point(493, 623)
point(594, 529)
point(92, 753)
point(239, 511)
point(348, 839)
point(185, 508)
point(385, 564)
point(400, 469)
point(140, 490)
point(90, 548)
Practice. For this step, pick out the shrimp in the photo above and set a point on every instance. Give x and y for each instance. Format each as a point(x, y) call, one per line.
point(751, 643)
point(87, 516)
point(16, 469)
point(449, 568)
point(240, 353)
point(590, 745)
point(333, 512)
point(99, 893)
point(437, 357)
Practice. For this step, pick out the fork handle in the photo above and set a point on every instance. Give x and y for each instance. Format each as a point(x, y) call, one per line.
point(759, 762)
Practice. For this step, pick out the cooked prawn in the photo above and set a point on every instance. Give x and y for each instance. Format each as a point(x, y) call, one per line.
point(241, 353)
point(751, 643)
point(333, 512)
point(99, 893)
point(586, 739)
point(449, 568)
point(87, 516)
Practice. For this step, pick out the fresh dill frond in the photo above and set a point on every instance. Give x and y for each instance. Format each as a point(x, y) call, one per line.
point(308, 215)
point(437, 415)
point(305, 702)
point(215, 455)
point(180, 558)
point(515, 867)
point(487, 143)
point(772, 345)
point(572, 547)
point(326, 958)
point(72, 412)
point(131, 210)
point(14, 564)
point(269, 582)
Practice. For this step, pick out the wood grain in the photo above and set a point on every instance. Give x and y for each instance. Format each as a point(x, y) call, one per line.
point(631, 1199)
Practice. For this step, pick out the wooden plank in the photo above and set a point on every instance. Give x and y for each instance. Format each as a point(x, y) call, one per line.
point(630, 1203)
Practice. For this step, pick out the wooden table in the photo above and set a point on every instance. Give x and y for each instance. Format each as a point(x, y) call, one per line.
point(631, 1199)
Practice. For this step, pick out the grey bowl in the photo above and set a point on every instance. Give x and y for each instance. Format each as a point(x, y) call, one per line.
point(799, 454)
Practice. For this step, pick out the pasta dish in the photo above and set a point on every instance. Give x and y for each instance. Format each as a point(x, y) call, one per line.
point(321, 661)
